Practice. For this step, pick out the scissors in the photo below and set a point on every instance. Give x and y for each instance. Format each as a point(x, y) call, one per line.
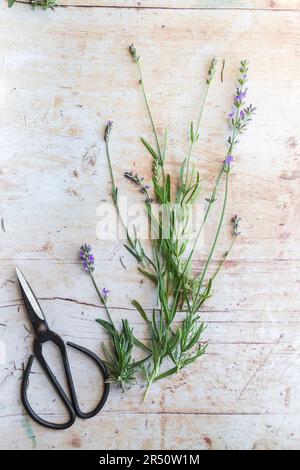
point(43, 334)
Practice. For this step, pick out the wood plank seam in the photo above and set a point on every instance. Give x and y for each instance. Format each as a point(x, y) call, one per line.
point(132, 7)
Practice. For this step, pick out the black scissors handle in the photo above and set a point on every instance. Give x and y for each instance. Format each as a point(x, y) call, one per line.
point(72, 405)
point(104, 372)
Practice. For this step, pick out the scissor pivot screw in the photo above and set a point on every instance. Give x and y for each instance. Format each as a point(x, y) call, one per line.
point(42, 328)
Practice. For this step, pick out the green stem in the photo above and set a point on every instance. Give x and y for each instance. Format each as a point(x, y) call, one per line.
point(103, 301)
point(196, 131)
point(149, 113)
point(224, 258)
point(114, 189)
point(211, 200)
point(150, 381)
point(217, 233)
point(147, 391)
point(233, 138)
point(115, 198)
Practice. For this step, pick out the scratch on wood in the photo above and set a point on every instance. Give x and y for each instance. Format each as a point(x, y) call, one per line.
point(3, 225)
point(252, 377)
point(10, 374)
point(287, 397)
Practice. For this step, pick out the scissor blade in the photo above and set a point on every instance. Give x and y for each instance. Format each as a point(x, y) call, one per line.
point(29, 297)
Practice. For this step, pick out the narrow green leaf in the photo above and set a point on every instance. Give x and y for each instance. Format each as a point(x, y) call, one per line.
point(140, 309)
point(168, 189)
point(140, 362)
point(141, 345)
point(150, 276)
point(106, 325)
point(164, 148)
point(192, 132)
point(150, 149)
point(136, 256)
point(166, 374)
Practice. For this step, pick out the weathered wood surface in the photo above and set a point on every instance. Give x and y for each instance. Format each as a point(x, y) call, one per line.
point(186, 4)
point(63, 76)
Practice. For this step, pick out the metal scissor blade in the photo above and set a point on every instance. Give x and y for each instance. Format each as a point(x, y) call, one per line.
point(32, 305)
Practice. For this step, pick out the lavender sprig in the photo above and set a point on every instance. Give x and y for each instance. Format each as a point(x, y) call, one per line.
point(134, 245)
point(119, 359)
point(132, 51)
point(241, 114)
point(168, 269)
point(238, 102)
point(108, 129)
point(139, 181)
point(235, 231)
point(114, 189)
point(87, 258)
point(43, 4)
point(235, 226)
point(212, 70)
point(194, 131)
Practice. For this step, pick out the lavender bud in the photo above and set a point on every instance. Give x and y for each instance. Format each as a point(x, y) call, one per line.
point(105, 293)
point(133, 53)
point(212, 70)
point(235, 225)
point(108, 130)
point(87, 258)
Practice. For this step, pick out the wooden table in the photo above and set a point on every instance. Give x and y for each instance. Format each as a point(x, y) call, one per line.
point(63, 75)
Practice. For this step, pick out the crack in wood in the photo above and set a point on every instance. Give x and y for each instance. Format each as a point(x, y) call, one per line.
point(141, 7)
point(166, 413)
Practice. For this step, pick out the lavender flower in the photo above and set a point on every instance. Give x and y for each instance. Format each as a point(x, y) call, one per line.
point(227, 162)
point(105, 293)
point(240, 95)
point(133, 53)
point(212, 70)
point(138, 180)
point(87, 258)
point(107, 131)
point(235, 225)
point(240, 116)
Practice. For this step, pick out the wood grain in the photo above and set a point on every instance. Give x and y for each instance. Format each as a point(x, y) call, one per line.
point(186, 4)
point(62, 77)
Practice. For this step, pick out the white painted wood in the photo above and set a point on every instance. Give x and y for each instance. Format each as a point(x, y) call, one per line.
point(186, 4)
point(62, 77)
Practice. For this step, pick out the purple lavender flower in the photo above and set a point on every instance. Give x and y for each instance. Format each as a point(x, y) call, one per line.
point(240, 95)
point(138, 180)
point(105, 293)
point(242, 114)
point(228, 160)
point(231, 115)
point(87, 258)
